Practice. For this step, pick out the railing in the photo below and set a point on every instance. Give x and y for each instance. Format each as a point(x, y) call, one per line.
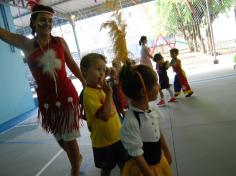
point(189, 59)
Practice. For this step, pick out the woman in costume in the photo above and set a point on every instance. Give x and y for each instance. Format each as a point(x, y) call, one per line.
point(58, 99)
point(145, 52)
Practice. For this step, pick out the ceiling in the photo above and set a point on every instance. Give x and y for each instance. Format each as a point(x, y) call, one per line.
point(81, 9)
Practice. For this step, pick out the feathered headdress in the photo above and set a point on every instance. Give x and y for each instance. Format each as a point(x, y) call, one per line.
point(46, 9)
point(32, 3)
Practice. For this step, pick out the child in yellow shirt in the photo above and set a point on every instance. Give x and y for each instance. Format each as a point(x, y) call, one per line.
point(101, 115)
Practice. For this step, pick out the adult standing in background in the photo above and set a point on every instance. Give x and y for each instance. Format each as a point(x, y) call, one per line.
point(58, 99)
point(145, 52)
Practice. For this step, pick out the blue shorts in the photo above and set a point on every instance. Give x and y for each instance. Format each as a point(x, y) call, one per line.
point(107, 157)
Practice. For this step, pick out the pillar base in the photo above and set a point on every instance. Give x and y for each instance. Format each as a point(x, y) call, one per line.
point(216, 61)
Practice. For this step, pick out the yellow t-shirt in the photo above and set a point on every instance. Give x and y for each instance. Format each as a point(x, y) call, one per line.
point(102, 133)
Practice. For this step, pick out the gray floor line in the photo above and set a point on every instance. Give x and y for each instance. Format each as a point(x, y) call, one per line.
point(48, 163)
point(203, 124)
point(212, 79)
point(173, 142)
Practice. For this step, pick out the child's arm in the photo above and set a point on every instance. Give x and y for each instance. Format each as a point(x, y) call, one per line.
point(148, 52)
point(165, 149)
point(108, 107)
point(172, 62)
point(167, 65)
point(143, 166)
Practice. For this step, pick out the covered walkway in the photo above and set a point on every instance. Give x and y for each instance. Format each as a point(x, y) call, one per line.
point(200, 131)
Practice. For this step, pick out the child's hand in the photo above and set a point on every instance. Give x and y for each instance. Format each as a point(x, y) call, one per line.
point(167, 64)
point(168, 157)
point(151, 173)
point(106, 87)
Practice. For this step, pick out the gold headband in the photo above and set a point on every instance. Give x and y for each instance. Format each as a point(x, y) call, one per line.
point(142, 81)
point(42, 11)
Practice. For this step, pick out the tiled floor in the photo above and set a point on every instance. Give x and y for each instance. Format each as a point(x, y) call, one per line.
point(200, 131)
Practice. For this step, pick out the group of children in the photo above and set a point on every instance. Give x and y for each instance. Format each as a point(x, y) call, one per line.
point(180, 80)
point(135, 144)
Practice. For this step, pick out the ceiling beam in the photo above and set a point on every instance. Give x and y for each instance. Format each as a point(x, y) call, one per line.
point(100, 9)
point(24, 6)
point(81, 13)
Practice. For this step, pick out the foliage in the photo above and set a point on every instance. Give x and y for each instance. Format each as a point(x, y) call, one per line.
point(175, 14)
point(188, 17)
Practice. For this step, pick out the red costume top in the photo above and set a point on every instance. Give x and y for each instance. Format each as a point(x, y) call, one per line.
point(57, 96)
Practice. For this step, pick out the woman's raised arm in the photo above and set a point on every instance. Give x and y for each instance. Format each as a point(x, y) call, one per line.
point(16, 40)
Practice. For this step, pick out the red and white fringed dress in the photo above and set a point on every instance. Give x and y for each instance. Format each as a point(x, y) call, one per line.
point(57, 96)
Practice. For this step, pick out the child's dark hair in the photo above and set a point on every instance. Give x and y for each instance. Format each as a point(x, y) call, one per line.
point(157, 57)
point(86, 60)
point(38, 9)
point(142, 39)
point(131, 82)
point(174, 50)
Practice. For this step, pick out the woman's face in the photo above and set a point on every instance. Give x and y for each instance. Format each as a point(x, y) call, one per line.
point(145, 41)
point(43, 23)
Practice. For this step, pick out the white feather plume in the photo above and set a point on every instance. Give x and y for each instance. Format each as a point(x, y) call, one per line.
point(50, 63)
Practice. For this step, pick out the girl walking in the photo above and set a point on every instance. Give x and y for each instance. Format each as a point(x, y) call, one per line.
point(145, 52)
point(140, 134)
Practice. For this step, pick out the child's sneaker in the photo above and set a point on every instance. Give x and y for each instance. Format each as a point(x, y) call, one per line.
point(173, 99)
point(162, 102)
point(189, 94)
point(177, 94)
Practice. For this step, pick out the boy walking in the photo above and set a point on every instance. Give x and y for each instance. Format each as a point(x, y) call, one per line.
point(102, 117)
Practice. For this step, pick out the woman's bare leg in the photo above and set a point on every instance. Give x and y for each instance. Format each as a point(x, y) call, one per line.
point(73, 153)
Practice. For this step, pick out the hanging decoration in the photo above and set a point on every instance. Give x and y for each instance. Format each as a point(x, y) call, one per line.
point(117, 33)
